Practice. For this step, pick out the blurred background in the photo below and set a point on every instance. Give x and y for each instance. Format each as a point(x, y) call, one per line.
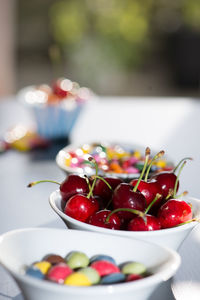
point(128, 47)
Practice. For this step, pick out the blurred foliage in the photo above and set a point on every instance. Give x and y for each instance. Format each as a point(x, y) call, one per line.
point(119, 31)
point(119, 28)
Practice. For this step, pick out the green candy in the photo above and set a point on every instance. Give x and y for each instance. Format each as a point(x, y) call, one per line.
point(77, 259)
point(133, 268)
point(91, 274)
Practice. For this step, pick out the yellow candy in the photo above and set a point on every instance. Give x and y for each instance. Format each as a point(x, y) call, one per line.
point(137, 154)
point(77, 279)
point(43, 266)
point(86, 148)
point(68, 159)
point(161, 163)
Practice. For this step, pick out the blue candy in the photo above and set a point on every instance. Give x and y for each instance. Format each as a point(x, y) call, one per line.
point(102, 257)
point(36, 273)
point(113, 278)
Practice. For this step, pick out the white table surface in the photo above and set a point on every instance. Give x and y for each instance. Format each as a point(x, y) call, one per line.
point(172, 124)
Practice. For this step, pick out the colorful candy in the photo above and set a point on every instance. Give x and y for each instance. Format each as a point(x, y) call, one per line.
point(78, 270)
point(110, 159)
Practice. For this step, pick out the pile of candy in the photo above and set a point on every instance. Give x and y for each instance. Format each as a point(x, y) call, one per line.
point(113, 158)
point(76, 269)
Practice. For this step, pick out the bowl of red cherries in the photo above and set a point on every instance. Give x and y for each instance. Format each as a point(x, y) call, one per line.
point(148, 208)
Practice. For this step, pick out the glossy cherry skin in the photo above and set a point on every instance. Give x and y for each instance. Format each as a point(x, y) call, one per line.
point(103, 191)
point(80, 207)
point(148, 223)
point(73, 184)
point(166, 181)
point(149, 189)
point(99, 219)
point(125, 197)
point(174, 212)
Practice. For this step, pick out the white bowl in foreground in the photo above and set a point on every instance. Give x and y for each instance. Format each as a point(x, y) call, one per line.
point(22, 247)
point(172, 237)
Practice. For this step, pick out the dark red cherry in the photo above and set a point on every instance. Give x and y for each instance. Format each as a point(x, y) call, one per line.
point(146, 223)
point(99, 219)
point(149, 189)
point(102, 190)
point(80, 207)
point(174, 212)
point(125, 197)
point(166, 181)
point(73, 184)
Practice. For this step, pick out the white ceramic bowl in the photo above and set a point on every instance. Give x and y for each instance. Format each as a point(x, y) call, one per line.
point(23, 247)
point(62, 155)
point(172, 237)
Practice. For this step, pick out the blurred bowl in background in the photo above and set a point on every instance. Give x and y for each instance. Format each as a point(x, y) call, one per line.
point(20, 248)
point(55, 108)
point(114, 159)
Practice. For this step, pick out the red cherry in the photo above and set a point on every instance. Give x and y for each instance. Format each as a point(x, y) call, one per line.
point(80, 207)
point(99, 219)
point(73, 184)
point(166, 181)
point(146, 223)
point(174, 212)
point(125, 197)
point(103, 191)
point(149, 189)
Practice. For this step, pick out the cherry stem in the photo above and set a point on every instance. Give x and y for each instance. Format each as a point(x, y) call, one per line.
point(177, 179)
point(158, 155)
point(94, 163)
point(189, 221)
point(170, 194)
point(152, 203)
point(182, 194)
point(180, 162)
point(40, 181)
point(134, 211)
point(147, 153)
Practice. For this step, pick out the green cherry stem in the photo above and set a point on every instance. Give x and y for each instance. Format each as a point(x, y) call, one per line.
point(158, 155)
point(182, 194)
point(101, 178)
point(180, 162)
point(94, 163)
point(152, 203)
point(189, 221)
point(134, 211)
point(170, 194)
point(40, 181)
point(177, 179)
point(147, 154)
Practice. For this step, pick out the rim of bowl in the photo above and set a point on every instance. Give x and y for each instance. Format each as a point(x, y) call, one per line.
point(62, 154)
point(56, 195)
point(169, 270)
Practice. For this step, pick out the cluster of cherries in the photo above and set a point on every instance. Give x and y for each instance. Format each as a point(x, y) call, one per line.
point(143, 204)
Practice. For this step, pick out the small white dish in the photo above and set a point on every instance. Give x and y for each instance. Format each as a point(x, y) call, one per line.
point(172, 237)
point(22, 247)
